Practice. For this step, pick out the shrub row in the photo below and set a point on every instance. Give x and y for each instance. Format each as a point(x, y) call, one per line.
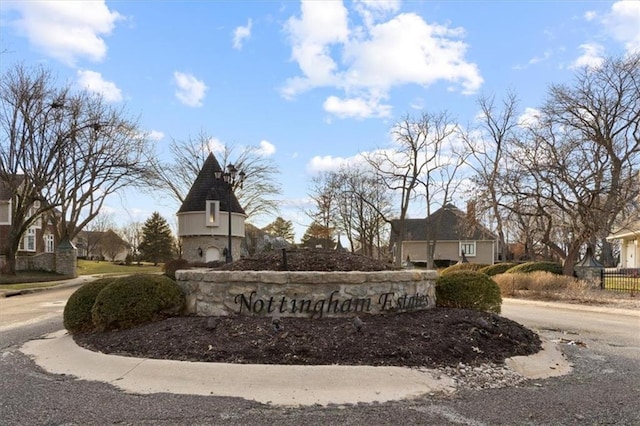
point(509, 268)
point(125, 302)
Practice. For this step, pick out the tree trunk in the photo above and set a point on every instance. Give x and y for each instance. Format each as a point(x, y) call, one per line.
point(11, 251)
point(606, 256)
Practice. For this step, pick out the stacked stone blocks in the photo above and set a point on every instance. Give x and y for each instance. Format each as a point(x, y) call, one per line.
point(307, 294)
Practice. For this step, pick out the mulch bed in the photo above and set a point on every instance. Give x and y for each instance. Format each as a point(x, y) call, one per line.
point(433, 338)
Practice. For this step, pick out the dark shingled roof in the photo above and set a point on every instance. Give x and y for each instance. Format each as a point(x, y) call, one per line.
point(7, 187)
point(207, 187)
point(451, 224)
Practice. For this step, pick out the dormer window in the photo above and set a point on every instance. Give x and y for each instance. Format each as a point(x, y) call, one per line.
point(212, 213)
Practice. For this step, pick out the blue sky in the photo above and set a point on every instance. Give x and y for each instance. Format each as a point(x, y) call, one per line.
point(314, 83)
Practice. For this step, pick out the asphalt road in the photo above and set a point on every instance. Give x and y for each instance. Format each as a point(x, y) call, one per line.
point(602, 389)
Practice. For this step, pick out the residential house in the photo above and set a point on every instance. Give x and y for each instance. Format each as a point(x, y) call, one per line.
point(205, 215)
point(256, 240)
point(102, 245)
point(457, 236)
point(629, 237)
point(38, 243)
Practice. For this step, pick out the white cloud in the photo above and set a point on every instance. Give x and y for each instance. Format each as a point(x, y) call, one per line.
point(529, 118)
point(215, 145)
point(266, 148)
point(155, 135)
point(66, 30)
point(590, 15)
point(407, 50)
point(592, 56)
point(325, 164)
point(375, 10)
point(93, 82)
point(240, 34)
point(537, 59)
point(356, 107)
point(321, 25)
point(366, 63)
point(623, 23)
point(190, 91)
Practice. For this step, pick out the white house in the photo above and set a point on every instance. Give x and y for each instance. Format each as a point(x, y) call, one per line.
point(629, 236)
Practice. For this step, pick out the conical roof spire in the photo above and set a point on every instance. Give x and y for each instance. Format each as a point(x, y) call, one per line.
point(207, 187)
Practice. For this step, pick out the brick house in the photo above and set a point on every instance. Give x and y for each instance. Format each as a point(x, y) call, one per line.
point(37, 246)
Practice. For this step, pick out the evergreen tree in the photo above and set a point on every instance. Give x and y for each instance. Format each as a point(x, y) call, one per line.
point(157, 243)
point(281, 228)
point(318, 235)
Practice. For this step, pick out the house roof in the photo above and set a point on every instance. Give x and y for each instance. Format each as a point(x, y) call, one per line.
point(7, 186)
point(449, 224)
point(207, 187)
point(631, 229)
point(100, 235)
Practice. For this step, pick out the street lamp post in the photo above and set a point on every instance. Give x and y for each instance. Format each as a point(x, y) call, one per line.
point(231, 177)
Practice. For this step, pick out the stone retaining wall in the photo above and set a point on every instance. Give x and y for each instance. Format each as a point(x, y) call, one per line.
point(38, 262)
point(306, 294)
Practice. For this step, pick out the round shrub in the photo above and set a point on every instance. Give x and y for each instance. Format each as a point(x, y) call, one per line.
point(496, 269)
point(462, 267)
point(171, 266)
point(136, 299)
point(468, 290)
point(77, 311)
point(525, 268)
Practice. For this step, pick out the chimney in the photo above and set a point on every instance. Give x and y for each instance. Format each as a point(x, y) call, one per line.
point(471, 212)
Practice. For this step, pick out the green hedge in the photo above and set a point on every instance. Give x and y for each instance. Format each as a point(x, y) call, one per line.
point(77, 312)
point(136, 299)
point(171, 266)
point(496, 269)
point(463, 267)
point(524, 268)
point(468, 290)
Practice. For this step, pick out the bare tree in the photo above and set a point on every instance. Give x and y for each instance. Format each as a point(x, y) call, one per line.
point(257, 193)
point(62, 153)
point(132, 233)
point(579, 163)
point(96, 231)
point(399, 169)
point(486, 145)
point(358, 205)
point(425, 157)
point(324, 193)
point(113, 245)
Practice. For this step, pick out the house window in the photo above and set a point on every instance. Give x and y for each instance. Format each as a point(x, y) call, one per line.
point(32, 212)
point(28, 242)
point(5, 213)
point(212, 213)
point(468, 248)
point(48, 243)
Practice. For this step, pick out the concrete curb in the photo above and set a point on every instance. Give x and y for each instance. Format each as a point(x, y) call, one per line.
point(549, 362)
point(287, 385)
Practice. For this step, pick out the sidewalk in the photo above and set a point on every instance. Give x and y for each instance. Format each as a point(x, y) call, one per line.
point(51, 285)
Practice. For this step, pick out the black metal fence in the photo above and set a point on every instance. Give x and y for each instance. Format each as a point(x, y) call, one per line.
point(624, 279)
